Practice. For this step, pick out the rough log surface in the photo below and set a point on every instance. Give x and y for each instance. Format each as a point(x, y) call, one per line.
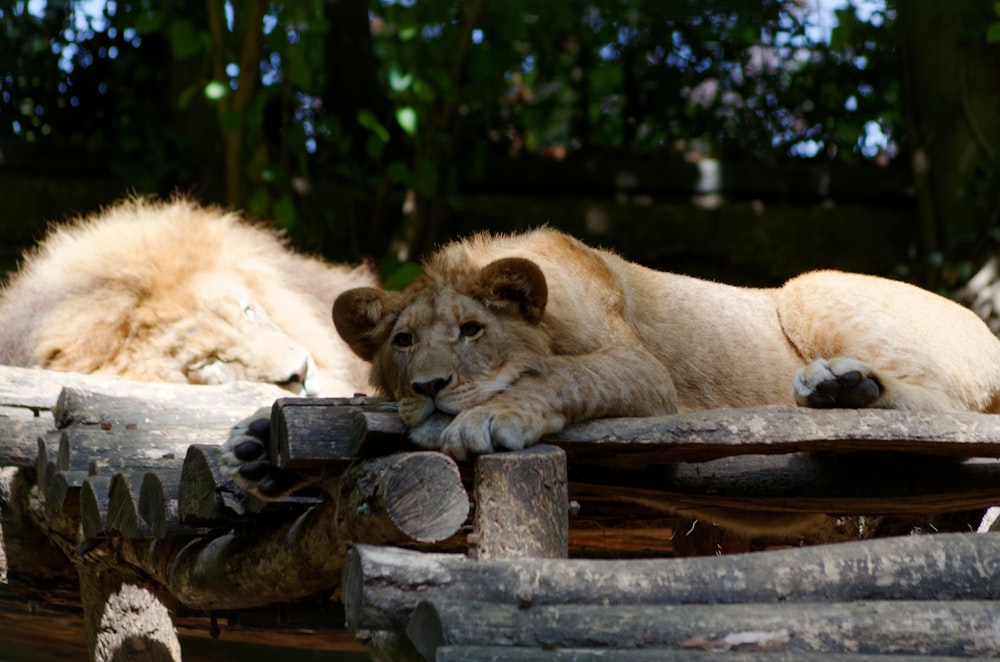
point(287, 559)
point(634, 443)
point(522, 506)
point(961, 628)
point(382, 586)
point(511, 654)
point(125, 621)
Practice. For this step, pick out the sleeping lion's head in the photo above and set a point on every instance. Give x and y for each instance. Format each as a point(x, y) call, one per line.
point(175, 292)
point(453, 338)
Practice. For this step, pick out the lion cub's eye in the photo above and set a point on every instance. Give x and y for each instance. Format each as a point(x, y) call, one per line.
point(470, 330)
point(402, 340)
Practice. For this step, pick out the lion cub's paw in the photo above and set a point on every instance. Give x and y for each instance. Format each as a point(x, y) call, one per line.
point(486, 429)
point(244, 458)
point(839, 382)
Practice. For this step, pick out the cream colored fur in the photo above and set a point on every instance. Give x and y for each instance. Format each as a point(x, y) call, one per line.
point(518, 348)
point(175, 292)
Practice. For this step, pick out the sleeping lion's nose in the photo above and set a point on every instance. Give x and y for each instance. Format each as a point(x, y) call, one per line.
point(431, 387)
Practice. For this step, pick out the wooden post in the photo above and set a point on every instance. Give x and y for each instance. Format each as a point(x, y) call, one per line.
point(522, 505)
point(125, 621)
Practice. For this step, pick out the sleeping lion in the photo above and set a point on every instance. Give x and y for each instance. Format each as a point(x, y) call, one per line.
point(518, 336)
point(175, 292)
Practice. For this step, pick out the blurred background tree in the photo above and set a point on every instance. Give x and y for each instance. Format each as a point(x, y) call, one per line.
point(705, 132)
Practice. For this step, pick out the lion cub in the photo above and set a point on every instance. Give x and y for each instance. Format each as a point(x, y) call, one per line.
point(518, 336)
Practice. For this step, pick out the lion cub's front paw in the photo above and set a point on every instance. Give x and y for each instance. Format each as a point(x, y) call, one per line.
point(486, 429)
point(244, 458)
point(839, 382)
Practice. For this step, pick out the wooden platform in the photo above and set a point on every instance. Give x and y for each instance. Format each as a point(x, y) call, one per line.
point(110, 499)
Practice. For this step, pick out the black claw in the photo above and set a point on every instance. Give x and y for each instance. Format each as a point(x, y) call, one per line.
point(260, 428)
point(248, 450)
point(255, 471)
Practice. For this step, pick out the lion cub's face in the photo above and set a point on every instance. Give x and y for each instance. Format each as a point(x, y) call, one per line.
point(449, 346)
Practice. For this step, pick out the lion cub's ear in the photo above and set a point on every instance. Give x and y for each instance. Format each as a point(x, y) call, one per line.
point(514, 283)
point(357, 315)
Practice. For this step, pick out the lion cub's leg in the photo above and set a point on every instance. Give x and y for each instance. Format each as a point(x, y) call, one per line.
point(623, 380)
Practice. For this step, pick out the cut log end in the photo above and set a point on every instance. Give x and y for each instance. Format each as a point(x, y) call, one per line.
point(425, 498)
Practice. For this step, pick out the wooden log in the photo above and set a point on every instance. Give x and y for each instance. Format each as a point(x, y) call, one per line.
point(890, 627)
point(512, 654)
point(382, 586)
point(123, 448)
point(158, 504)
point(307, 431)
point(39, 390)
point(635, 443)
point(123, 506)
point(19, 439)
point(151, 406)
point(200, 496)
point(62, 492)
point(94, 499)
point(404, 498)
point(125, 621)
point(522, 508)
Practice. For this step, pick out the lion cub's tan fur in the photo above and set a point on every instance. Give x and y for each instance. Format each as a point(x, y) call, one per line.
point(520, 335)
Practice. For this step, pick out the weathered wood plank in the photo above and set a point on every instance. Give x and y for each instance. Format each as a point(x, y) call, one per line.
point(382, 586)
point(890, 627)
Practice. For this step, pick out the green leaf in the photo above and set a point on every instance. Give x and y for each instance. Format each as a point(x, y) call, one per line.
point(398, 81)
point(367, 119)
point(407, 118)
point(375, 147)
point(407, 33)
point(993, 33)
point(425, 177)
point(400, 172)
point(185, 41)
point(215, 90)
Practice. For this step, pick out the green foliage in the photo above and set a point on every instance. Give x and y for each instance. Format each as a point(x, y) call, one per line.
point(404, 95)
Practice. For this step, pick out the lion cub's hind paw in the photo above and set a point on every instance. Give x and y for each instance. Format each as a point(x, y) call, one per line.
point(840, 382)
point(244, 458)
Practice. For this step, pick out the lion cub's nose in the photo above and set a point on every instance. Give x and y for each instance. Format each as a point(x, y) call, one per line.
point(431, 387)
